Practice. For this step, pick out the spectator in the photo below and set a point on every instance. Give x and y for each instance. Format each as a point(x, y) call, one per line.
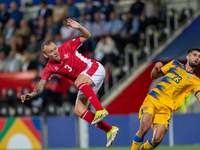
point(13, 42)
point(66, 31)
point(39, 29)
point(86, 45)
point(106, 8)
point(3, 46)
point(59, 12)
point(9, 30)
point(150, 13)
point(3, 62)
point(51, 27)
point(27, 62)
point(90, 10)
point(106, 51)
point(40, 62)
point(21, 45)
point(44, 12)
point(73, 11)
point(113, 29)
point(58, 40)
point(23, 29)
point(15, 13)
point(136, 8)
point(130, 32)
point(33, 46)
point(97, 31)
point(4, 15)
point(13, 63)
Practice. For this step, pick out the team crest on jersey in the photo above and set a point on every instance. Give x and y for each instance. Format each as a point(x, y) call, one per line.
point(56, 68)
point(146, 108)
point(189, 77)
point(66, 56)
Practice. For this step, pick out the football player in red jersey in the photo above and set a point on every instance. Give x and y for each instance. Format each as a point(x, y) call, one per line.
point(87, 75)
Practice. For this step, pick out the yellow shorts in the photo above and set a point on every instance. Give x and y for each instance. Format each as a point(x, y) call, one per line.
point(160, 112)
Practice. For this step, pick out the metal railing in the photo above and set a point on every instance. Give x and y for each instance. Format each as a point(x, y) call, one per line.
point(131, 53)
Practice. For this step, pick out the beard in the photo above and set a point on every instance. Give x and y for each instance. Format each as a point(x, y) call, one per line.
point(192, 64)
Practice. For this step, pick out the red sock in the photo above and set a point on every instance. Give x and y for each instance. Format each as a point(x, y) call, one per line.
point(89, 93)
point(89, 116)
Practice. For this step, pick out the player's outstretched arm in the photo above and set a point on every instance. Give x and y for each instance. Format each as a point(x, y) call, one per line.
point(155, 73)
point(198, 96)
point(38, 90)
point(85, 34)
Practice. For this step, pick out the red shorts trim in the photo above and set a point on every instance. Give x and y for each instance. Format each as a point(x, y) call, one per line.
point(93, 69)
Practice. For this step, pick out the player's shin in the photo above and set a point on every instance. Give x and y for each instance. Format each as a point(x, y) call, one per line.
point(137, 142)
point(89, 116)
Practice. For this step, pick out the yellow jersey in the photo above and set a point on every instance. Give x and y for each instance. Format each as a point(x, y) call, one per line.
point(176, 85)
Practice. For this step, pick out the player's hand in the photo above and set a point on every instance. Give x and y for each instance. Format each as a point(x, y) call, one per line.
point(158, 65)
point(26, 97)
point(73, 24)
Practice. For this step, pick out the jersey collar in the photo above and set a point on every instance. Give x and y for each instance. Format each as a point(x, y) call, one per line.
point(187, 71)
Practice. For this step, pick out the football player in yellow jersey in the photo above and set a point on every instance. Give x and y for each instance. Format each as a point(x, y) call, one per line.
point(179, 80)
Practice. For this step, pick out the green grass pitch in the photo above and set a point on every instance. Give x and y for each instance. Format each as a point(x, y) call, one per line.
point(195, 147)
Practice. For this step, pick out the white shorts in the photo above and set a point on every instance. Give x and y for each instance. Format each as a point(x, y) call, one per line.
point(97, 77)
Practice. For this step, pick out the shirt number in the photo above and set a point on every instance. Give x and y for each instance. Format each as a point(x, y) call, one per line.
point(68, 67)
point(177, 78)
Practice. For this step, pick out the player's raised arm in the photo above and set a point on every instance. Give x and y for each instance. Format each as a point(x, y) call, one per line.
point(38, 90)
point(155, 73)
point(85, 34)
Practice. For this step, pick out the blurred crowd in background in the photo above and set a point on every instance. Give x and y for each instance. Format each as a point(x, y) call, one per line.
point(20, 39)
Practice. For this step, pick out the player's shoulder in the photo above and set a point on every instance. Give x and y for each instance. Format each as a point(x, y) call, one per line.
point(77, 39)
point(48, 66)
point(70, 42)
point(177, 63)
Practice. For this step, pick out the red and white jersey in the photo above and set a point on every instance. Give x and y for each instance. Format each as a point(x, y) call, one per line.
point(72, 62)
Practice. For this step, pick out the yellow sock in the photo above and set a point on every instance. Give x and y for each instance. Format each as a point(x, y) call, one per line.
point(137, 142)
point(147, 145)
point(136, 145)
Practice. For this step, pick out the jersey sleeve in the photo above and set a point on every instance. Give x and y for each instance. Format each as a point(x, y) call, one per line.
point(166, 67)
point(196, 88)
point(73, 44)
point(46, 74)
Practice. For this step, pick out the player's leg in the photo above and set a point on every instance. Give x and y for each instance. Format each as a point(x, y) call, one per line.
point(83, 83)
point(161, 123)
point(145, 124)
point(81, 110)
point(89, 82)
point(158, 135)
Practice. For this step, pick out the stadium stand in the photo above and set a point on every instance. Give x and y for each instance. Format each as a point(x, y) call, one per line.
point(169, 18)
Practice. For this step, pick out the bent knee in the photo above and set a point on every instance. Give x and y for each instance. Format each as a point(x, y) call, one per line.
point(78, 112)
point(77, 83)
point(156, 140)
